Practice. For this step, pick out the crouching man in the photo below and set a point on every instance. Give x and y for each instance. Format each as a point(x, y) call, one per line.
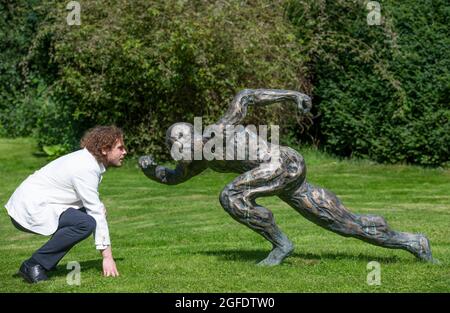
point(61, 199)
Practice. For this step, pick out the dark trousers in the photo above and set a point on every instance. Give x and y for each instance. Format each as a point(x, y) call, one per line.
point(74, 226)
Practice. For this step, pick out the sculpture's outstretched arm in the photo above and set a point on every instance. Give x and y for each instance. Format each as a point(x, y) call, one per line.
point(238, 107)
point(164, 175)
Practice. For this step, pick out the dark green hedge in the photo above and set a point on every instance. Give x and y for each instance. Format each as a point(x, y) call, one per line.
point(382, 92)
point(19, 105)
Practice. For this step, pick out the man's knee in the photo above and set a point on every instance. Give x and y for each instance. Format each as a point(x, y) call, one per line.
point(87, 224)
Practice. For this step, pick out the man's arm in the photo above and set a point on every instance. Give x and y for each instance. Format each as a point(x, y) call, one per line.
point(164, 175)
point(238, 108)
point(86, 186)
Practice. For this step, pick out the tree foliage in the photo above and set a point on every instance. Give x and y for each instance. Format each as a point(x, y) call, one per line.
point(144, 65)
point(380, 92)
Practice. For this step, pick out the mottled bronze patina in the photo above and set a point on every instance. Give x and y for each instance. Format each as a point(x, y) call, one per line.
point(283, 177)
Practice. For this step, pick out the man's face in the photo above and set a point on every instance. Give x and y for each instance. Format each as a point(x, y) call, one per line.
point(115, 156)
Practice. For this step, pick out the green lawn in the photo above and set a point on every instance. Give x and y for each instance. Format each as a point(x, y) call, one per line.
point(179, 239)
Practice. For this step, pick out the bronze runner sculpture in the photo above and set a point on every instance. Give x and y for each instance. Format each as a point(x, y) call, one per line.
point(283, 177)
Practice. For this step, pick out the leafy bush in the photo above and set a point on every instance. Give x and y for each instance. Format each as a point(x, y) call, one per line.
point(144, 65)
point(20, 93)
point(20, 116)
point(381, 91)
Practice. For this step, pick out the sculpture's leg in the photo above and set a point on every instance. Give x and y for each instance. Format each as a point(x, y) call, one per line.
point(238, 199)
point(325, 209)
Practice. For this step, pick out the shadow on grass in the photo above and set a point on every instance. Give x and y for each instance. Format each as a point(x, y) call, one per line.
point(40, 154)
point(307, 258)
point(61, 270)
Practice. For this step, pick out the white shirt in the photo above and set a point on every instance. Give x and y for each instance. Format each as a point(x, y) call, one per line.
point(70, 181)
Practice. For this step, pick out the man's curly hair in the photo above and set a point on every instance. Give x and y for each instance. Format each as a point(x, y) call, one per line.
point(101, 137)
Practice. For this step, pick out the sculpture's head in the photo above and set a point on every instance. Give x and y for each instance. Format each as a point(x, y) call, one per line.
point(180, 141)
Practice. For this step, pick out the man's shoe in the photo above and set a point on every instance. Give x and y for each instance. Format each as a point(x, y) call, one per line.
point(32, 273)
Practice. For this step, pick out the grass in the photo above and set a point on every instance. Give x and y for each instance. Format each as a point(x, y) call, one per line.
point(179, 239)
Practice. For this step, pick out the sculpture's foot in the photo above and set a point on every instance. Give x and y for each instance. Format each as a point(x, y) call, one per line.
point(277, 255)
point(422, 250)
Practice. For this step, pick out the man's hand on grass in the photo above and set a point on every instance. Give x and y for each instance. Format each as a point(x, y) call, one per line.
point(109, 266)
